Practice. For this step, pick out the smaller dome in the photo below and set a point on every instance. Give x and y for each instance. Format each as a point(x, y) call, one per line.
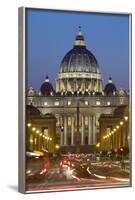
point(110, 88)
point(47, 88)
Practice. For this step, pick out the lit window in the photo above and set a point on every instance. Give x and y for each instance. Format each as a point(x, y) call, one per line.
point(98, 103)
point(69, 103)
point(45, 103)
point(108, 103)
point(121, 101)
point(56, 103)
point(86, 102)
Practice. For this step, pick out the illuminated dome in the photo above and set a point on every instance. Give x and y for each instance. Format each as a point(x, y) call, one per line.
point(110, 88)
point(79, 69)
point(79, 59)
point(47, 88)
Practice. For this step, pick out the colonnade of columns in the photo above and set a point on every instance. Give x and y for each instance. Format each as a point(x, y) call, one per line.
point(74, 84)
point(117, 140)
point(36, 141)
point(88, 130)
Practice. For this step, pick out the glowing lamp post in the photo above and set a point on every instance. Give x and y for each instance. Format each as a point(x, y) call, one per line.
point(126, 131)
point(121, 149)
point(121, 135)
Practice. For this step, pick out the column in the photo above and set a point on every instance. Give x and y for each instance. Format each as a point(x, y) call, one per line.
point(57, 85)
point(65, 130)
point(117, 140)
point(61, 132)
point(94, 129)
point(31, 141)
point(101, 86)
point(96, 86)
point(61, 138)
point(72, 130)
point(113, 141)
point(90, 138)
point(82, 134)
point(90, 85)
point(126, 135)
point(121, 137)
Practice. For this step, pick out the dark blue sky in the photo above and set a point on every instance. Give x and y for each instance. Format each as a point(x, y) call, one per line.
point(50, 35)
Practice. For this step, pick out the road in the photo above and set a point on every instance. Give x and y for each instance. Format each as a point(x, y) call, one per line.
point(92, 175)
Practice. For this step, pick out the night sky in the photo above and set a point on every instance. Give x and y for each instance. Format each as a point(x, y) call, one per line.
point(50, 35)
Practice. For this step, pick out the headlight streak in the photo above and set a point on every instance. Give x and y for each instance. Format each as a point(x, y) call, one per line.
point(88, 170)
point(43, 171)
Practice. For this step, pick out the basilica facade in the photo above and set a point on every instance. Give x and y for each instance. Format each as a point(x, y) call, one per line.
point(78, 100)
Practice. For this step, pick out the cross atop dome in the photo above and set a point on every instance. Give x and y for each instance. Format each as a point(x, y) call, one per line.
point(79, 30)
point(46, 78)
point(110, 79)
point(79, 41)
point(79, 27)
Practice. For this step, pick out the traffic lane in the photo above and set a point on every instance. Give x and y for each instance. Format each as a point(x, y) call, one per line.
point(81, 174)
point(70, 176)
point(93, 184)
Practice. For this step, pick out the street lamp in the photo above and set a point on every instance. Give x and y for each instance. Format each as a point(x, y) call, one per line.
point(33, 129)
point(98, 145)
point(121, 123)
point(126, 118)
point(121, 149)
point(121, 139)
point(37, 131)
point(57, 146)
point(126, 130)
point(117, 127)
point(29, 124)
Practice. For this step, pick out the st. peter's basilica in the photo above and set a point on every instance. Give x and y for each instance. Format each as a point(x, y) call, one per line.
point(81, 113)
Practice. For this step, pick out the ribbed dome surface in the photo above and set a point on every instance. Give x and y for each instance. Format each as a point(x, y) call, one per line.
point(79, 59)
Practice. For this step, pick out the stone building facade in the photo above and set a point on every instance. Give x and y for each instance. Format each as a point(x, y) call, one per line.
point(40, 131)
point(114, 130)
point(79, 99)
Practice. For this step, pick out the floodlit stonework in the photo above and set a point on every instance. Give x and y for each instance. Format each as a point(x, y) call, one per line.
point(79, 99)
